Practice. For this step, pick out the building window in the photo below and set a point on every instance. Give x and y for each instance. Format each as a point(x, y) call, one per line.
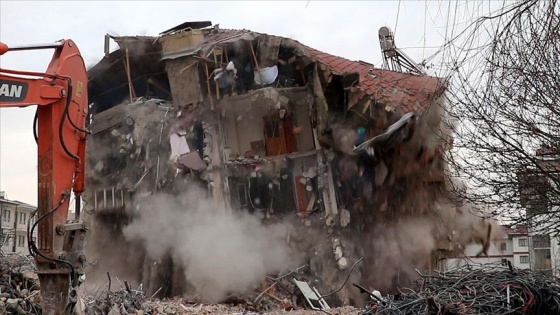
point(524, 259)
point(22, 217)
point(21, 240)
point(503, 247)
point(541, 241)
point(522, 242)
point(6, 216)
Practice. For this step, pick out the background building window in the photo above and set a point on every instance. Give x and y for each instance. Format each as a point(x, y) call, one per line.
point(541, 241)
point(21, 240)
point(522, 242)
point(22, 217)
point(6, 216)
point(503, 246)
point(524, 259)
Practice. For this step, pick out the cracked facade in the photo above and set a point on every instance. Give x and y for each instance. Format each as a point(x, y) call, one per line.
point(267, 124)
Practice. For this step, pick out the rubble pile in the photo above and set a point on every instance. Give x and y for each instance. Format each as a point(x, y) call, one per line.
point(124, 301)
point(19, 286)
point(178, 306)
point(279, 298)
point(282, 294)
point(489, 289)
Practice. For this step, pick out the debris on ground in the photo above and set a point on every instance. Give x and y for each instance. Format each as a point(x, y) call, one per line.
point(470, 289)
point(134, 302)
point(19, 286)
point(488, 289)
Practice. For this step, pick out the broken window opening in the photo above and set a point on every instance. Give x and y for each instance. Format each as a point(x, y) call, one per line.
point(348, 187)
point(256, 191)
point(335, 95)
point(292, 70)
point(238, 67)
point(250, 192)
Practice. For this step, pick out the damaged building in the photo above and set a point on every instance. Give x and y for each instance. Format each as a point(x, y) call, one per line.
point(265, 124)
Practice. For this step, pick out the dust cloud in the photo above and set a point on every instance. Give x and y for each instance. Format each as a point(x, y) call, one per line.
point(222, 251)
point(400, 248)
point(416, 211)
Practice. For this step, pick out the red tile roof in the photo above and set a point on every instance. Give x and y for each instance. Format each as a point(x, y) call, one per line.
point(402, 91)
point(515, 230)
point(548, 151)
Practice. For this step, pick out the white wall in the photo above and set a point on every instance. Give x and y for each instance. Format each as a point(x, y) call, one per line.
point(20, 227)
point(520, 249)
point(495, 254)
point(555, 255)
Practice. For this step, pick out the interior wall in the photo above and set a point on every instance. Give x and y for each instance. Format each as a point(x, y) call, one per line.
point(230, 135)
point(300, 103)
point(243, 121)
point(250, 127)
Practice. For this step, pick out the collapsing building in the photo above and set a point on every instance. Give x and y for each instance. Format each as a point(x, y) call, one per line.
point(269, 125)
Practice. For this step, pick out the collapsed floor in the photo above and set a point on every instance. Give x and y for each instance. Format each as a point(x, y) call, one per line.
point(221, 157)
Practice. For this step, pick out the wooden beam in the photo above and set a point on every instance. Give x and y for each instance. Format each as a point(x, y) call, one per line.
point(131, 92)
point(208, 87)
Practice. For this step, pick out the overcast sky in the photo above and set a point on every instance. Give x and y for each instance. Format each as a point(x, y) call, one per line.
point(344, 28)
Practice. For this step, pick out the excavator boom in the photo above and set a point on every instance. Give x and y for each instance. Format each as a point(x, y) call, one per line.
point(60, 94)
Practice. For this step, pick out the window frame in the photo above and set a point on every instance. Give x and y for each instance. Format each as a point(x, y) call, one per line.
point(525, 243)
point(21, 241)
point(522, 259)
point(22, 218)
point(6, 215)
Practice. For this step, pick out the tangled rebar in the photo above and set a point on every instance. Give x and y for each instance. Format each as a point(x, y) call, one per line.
point(487, 289)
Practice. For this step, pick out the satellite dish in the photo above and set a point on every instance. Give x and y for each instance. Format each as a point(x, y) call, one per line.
point(387, 41)
point(384, 31)
point(393, 58)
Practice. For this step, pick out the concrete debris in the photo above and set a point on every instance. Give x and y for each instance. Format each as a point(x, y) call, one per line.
point(123, 301)
point(279, 296)
point(342, 263)
point(19, 287)
point(344, 217)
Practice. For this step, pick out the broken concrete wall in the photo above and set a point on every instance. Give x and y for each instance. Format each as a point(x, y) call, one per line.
point(130, 146)
point(129, 155)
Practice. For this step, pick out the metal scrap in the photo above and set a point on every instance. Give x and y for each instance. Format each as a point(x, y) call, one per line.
point(486, 289)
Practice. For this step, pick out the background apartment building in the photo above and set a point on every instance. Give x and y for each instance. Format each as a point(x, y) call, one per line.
point(13, 229)
point(518, 246)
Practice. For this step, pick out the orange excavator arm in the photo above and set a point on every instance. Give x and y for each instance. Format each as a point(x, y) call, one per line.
point(60, 94)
